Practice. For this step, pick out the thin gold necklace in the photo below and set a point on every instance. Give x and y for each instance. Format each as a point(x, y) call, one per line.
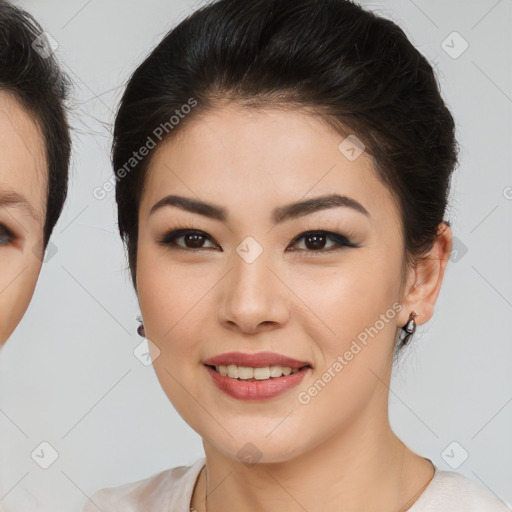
point(402, 509)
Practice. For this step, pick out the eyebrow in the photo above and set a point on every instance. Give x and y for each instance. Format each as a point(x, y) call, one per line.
point(279, 215)
point(9, 198)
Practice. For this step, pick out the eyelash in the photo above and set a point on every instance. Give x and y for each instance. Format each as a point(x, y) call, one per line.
point(5, 233)
point(342, 241)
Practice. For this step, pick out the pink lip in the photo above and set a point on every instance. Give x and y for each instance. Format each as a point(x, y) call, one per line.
point(258, 360)
point(256, 389)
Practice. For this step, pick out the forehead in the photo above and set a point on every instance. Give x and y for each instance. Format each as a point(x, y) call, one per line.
point(23, 168)
point(245, 157)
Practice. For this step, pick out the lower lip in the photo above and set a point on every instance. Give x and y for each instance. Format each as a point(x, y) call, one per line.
point(257, 389)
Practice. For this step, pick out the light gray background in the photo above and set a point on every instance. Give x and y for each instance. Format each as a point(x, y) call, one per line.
point(68, 375)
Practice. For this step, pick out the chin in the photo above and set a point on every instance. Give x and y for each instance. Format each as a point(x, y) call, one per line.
point(258, 448)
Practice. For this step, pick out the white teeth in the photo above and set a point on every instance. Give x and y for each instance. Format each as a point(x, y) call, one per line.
point(233, 371)
point(262, 373)
point(276, 371)
point(246, 372)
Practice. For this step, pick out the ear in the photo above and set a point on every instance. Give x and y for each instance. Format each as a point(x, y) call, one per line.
point(424, 280)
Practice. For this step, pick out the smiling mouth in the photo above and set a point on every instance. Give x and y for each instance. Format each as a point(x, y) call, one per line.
point(252, 374)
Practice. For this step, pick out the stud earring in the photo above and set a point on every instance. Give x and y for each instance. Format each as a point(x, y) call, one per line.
point(409, 328)
point(140, 329)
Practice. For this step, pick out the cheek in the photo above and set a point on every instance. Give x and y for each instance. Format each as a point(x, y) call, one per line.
point(164, 292)
point(17, 284)
point(351, 296)
point(355, 353)
point(169, 296)
point(358, 306)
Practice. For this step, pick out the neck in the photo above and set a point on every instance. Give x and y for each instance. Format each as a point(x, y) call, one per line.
point(363, 467)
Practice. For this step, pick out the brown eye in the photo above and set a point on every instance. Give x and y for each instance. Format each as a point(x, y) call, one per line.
point(192, 240)
point(315, 241)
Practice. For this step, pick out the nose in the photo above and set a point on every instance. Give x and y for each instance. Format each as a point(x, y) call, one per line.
point(253, 297)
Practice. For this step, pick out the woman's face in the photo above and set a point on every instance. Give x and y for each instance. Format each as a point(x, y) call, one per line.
point(22, 211)
point(250, 283)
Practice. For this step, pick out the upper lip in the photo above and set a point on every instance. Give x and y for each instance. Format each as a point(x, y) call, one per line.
point(257, 360)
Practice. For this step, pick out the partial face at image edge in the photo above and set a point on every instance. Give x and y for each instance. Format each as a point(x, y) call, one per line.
point(23, 177)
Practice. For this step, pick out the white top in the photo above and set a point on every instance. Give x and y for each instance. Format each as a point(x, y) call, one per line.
point(171, 491)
